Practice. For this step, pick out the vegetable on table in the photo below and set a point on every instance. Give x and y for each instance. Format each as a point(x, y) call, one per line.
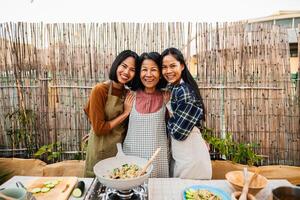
point(45, 189)
point(47, 186)
point(79, 189)
point(36, 190)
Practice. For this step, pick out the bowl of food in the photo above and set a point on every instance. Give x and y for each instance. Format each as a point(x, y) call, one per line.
point(196, 192)
point(236, 179)
point(122, 172)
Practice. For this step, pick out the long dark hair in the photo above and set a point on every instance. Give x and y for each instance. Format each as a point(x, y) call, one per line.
point(118, 60)
point(185, 75)
point(155, 57)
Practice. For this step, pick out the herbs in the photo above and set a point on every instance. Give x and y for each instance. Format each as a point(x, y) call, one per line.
point(242, 153)
point(50, 152)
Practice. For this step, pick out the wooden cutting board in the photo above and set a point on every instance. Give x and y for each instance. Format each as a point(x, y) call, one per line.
point(60, 192)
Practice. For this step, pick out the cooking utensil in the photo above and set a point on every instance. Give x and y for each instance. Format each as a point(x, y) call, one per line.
point(286, 193)
point(150, 161)
point(6, 197)
point(29, 195)
point(13, 193)
point(236, 195)
point(246, 185)
point(104, 167)
point(255, 175)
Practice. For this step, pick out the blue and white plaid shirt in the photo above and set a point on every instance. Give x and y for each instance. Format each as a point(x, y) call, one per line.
point(187, 111)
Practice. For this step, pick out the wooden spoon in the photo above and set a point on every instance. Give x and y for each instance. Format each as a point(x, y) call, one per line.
point(246, 185)
point(254, 176)
point(150, 161)
point(6, 197)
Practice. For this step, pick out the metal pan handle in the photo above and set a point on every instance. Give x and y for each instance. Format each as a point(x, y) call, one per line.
point(120, 151)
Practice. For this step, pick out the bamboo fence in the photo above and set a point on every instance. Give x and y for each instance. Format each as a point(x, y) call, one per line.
point(242, 71)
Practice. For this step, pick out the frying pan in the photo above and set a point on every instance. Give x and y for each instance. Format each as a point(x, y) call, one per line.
point(104, 167)
point(288, 193)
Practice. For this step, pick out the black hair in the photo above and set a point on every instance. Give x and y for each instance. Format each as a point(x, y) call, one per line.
point(118, 60)
point(185, 75)
point(155, 57)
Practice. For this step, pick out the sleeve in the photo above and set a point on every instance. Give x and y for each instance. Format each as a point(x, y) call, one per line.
point(185, 116)
point(169, 108)
point(95, 110)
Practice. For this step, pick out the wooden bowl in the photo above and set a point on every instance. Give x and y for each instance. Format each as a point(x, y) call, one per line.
point(236, 196)
point(236, 179)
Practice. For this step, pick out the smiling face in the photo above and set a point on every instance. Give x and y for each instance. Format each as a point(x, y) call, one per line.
point(149, 75)
point(172, 69)
point(126, 70)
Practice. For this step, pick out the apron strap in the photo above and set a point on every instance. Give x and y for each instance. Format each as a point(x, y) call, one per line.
point(110, 91)
point(110, 87)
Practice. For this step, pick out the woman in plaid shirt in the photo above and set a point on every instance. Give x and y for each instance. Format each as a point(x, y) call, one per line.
point(186, 108)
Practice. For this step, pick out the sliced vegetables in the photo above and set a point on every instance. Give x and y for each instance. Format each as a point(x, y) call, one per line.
point(45, 189)
point(51, 185)
point(36, 190)
point(47, 186)
point(79, 189)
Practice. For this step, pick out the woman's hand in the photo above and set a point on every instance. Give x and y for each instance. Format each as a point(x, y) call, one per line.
point(166, 96)
point(128, 102)
point(85, 138)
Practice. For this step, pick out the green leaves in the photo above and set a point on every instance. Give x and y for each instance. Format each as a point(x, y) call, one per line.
point(20, 127)
point(242, 153)
point(245, 155)
point(50, 151)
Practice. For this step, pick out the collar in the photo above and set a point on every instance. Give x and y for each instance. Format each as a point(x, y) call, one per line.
point(171, 87)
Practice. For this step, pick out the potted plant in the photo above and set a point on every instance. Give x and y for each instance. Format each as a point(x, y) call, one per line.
point(226, 148)
point(50, 152)
point(20, 128)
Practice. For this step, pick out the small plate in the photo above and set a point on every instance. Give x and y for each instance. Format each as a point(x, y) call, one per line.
point(221, 193)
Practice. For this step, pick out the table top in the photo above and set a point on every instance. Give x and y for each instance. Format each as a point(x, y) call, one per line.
point(172, 188)
point(165, 188)
point(27, 179)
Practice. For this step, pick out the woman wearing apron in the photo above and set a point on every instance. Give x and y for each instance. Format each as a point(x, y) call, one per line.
point(147, 124)
point(107, 111)
point(189, 150)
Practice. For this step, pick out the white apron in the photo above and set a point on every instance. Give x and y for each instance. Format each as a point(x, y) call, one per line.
point(147, 132)
point(191, 157)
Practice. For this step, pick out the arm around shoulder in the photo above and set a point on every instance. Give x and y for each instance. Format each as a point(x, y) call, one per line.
point(95, 110)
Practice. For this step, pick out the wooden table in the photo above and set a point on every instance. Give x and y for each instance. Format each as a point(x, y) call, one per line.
point(172, 188)
point(27, 179)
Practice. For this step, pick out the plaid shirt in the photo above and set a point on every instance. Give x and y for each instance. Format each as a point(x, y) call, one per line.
point(187, 111)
